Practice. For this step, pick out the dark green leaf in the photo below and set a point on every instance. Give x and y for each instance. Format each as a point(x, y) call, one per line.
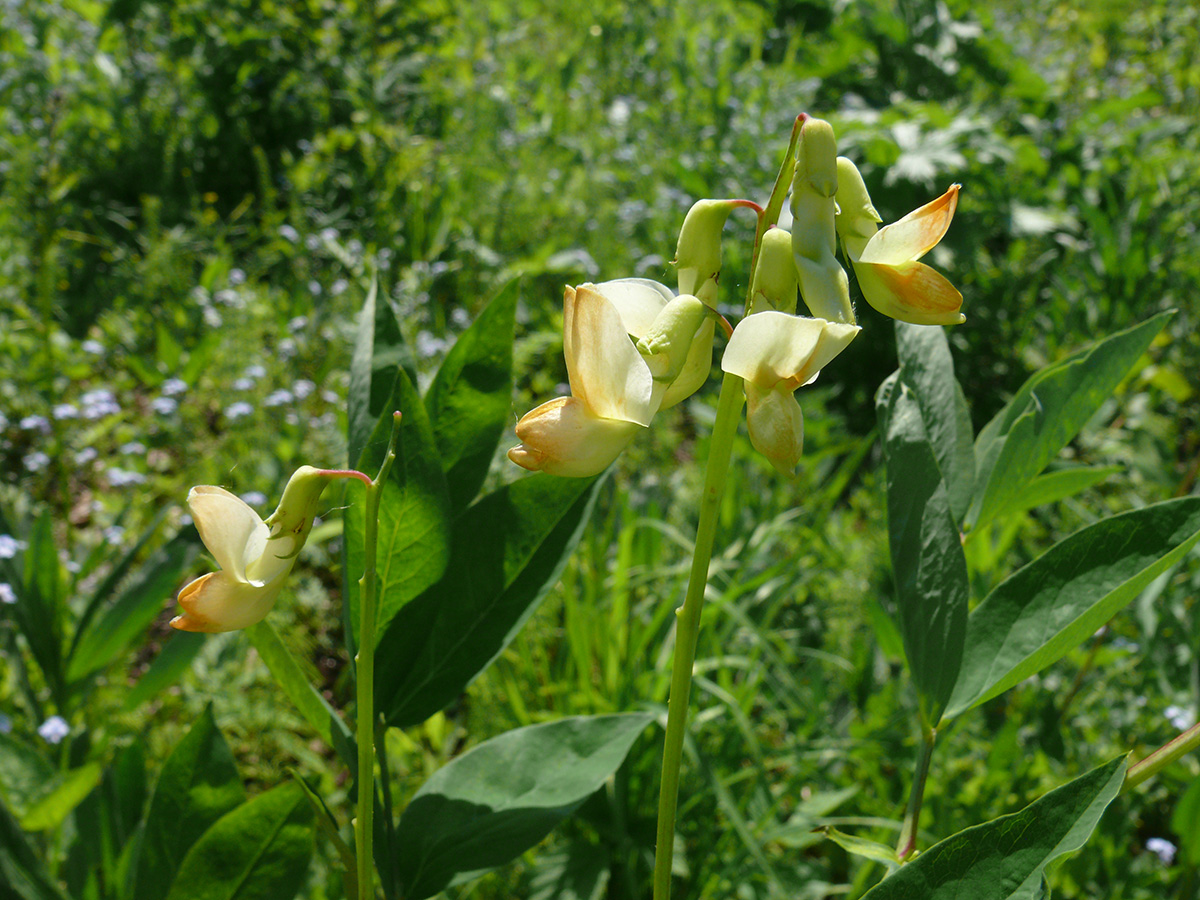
point(1057, 601)
point(197, 786)
point(1051, 487)
point(116, 573)
point(134, 610)
point(177, 653)
point(24, 774)
point(470, 399)
point(1183, 823)
point(508, 549)
point(580, 872)
point(1006, 859)
point(927, 557)
point(39, 610)
point(927, 367)
point(308, 700)
point(499, 799)
point(259, 851)
point(414, 512)
point(22, 876)
point(1046, 412)
point(379, 355)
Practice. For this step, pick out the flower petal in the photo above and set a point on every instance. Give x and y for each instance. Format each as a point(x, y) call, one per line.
point(912, 292)
point(605, 369)
point(637, 300)
point(696, 368)
point(913, 236)
point(776, 425)
point(218, 602)
point(234, 534)
point(770, 348)
point(562, 437)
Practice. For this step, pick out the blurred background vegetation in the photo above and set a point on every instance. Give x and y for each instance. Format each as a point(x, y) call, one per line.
point(195, 195)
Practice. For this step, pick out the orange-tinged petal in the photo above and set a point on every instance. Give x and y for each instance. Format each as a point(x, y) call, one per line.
point(912, 293)
point(913, 236)
point(606, 372)
point(563, 437)
point(216, 602)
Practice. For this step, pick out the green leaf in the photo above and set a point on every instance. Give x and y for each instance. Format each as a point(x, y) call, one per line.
point(259, 851)
point(177, 653)
point(579, 872)
point(39, 610)
point(24, 774)
point(927, 367)
point(134, 610)
point(1051, 487)
point(507, 550)
point(379, 355)
point(499, 799)
point(1048, 607)
point(470, 399)
point(1183, 823)
point(307, 699)
point(414, 512)
point(872, 850)
point(927, 557)
point(21, 872)
point(197, 786)
point(1046, 412)
point(1006, 859)
point(68, 792)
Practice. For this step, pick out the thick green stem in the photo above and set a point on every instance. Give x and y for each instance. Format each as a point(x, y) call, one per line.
point(912, 815)
point(687, 628)
point(1162, 757)
point(365, 669)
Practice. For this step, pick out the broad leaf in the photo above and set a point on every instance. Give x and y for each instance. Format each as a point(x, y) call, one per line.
point(578, 872)
point(414, 512)
point(24, 774)
point(135, 609)
point(499, 799)
point(1046, 412)
point(1006, 859)
point(67, 792)
point(259, 851)
point(508, 549)
point(927, 557)
point(379, 355)
point(22, 876)
point(1051, 487)
point(1057, 601)
point(197, 786)
point(470, 399)
point(926, 367)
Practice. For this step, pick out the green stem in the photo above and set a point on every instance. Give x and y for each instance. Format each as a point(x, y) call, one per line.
point(912, 815)
point(687, 629)
point(365, 668)
point(1162, 757)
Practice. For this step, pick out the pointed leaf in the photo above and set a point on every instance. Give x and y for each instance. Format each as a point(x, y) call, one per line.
point(578, 872)
point(927, 367)
point(499, 799)
point(22, 876)
point(172, 661)
point(259, 851)
point(508, 549)
point(197, 786)
point(67, 793)
point(1006, 859)
point(1047, 412)
point(928, 564)
point(872, 850)
point(470, 399)
point(379, 355)
point(1057, 601)
point(39, 610)
point(414, 511)
point(1051, 487)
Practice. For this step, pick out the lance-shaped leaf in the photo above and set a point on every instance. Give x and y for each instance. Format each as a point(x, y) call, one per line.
point(198, 784)
point(470, 399)
point(1006, 859)
point(927, 367)
point(1057, 601)
point(414, 511)
point(1047, 412)
point(499, 799)
point(928, 565)
point(259, 851)
point(508, 549)
point(22, 874)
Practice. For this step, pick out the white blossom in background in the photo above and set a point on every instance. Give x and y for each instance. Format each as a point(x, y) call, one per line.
point(36, 461)
point(238, 410)
point(173, 387)
point(1180, 717)
point(164, 406)
point(124, 478)
point(64, 411)
point(254, 498)
point(86, 455)
point(280, 397)
point(1163, 849)
point(93, 347)
point(303, 388)
point(287, 232)
point(35, 423)
point(10, 546)
point(99, 403)
point(7, 594)
point(54, 729)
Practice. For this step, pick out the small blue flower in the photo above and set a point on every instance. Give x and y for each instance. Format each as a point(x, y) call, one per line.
point(236, 277)
point(1180, 717)
point(123, 477)
point(1163, 849)
point(93, 347)
point(254, 371)
point(289, 233)
point(99, 403)
point(35, 423)
point(7, 594)
point(254, 498)
point(54, 729)
point(238, 410)
point(303, 388)
point(10, 546)
point(86, 455)
point(134, 448)
point(173, 387)
point(243, 384)
point(114, 534)
point(64, 411)
point(36, 461)
point(164, 406)
point(278, 398)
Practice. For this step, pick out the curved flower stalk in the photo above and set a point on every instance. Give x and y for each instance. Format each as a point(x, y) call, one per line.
point(616, 387)
point(253, 556)
point(886, 259)
point(776, 353)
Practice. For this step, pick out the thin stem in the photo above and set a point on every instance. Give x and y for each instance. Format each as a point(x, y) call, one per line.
point(912, 815)
point(365, 667)
point(1162, 757)
point(687, 628)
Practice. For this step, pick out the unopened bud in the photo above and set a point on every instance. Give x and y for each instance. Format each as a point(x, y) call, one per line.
point(816, 159)
point(775, 277)
point(698, 254)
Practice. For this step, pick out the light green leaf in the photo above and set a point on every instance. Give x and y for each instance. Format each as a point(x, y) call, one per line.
point(499, 799)
point(470, 399)
point(1051, 487)
point(1006, 859)
point(872, 850)
point(1047, 412)
point(68, 792)
point(1057, 601)
point(927, 557)
point(259, 851)
point(508, 549)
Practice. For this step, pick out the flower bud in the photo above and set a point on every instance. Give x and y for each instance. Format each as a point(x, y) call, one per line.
point(816, 159)
point(698, 253)
point(775, 277)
